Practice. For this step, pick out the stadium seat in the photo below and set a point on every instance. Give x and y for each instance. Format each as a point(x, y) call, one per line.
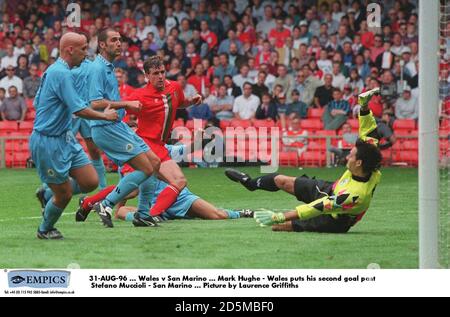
point(311, 124)
point(30, 115)
point(354, 123)
point(313, 158)
point(20, 159)
point(29, 103)
point(408, 157)
point(263, 123)
point(410, 144)
point(26, 126)
point(315, 113)
point(8, 126)
point(224, 124)
point(288, 159)
point(404, 124)
point(191, 124)
point(240, 123)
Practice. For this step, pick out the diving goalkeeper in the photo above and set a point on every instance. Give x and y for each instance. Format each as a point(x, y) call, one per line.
point(332, 207)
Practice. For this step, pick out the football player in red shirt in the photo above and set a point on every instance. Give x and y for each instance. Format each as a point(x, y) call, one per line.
point(160, 99)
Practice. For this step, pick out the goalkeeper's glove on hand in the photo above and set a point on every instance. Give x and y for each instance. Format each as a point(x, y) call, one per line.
point(268, 218)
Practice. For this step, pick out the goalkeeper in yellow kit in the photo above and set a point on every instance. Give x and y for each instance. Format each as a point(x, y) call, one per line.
point(332, 207)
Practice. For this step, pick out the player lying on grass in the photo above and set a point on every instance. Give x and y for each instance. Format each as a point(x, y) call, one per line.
point(332, 207)
point(186, 206)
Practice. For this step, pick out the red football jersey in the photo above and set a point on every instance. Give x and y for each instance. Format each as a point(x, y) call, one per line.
point(158, 110)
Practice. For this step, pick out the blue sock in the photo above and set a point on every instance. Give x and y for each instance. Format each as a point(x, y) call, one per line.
point(100, 168)
point(48, 194)
point(129, 216)
point(75, 187)
point(51, 216)
point(126, 185)
point(146, 190)
point(232, 214)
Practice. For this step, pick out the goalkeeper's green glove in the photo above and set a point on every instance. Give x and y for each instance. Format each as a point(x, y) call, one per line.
point(268, 218)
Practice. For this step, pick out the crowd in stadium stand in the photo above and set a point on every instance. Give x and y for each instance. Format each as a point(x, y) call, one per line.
point(250, 59)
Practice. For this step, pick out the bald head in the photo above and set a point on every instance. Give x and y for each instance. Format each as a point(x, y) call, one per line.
point(73, 48)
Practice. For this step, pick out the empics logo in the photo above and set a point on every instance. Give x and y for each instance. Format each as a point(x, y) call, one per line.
point(17, 279)
point(39, 279)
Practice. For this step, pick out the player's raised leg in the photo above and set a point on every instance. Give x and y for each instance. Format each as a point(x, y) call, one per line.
point(270, 182)
point(171, 173)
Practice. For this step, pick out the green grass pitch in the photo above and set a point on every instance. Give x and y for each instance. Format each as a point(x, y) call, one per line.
point(387, 235)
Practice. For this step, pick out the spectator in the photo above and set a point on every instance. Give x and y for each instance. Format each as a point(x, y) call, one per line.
point(397, 44)
point(287, 52)
point(407, 106)
point(296, 107)
point(386, 59)
point(11, 80)
point(279, 33)
point(388, 88)
point(263, 56)
point(124, 89)
point(2, 96)
point(336, 113)
point(242, 77)
point(207, 35)
point(267, 23)
point(324, 93)
point(186, 33)
point(294, 138)
point(344, 146)
point(189, 91)
point(13, 108)
point(284, 80)
point(145, 50)
point(267, 109)
point(224, 46)
point(362, 67)
point(31, 83)
point(232, 88)
point(385, 131)
point(259, 88)
point(199, 80)
point(338, 78)
point(235, 59)
point(245, 106)
point(185, 62)
point(377, 49)
point(223, 106)
point(22, 67)
point(354, 81)
point(324, 63)
point(200, 111)
point(224, 67)
point(10, 59)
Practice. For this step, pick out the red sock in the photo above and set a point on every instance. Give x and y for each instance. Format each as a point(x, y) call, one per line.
point(164, 200)
point(91, 200)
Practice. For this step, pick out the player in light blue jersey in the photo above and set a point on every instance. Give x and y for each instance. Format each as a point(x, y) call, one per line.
point(83, 126)
point(59, 158)
point(116, 139)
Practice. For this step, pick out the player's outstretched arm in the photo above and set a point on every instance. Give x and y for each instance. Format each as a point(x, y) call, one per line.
point(108, 114)
point(367, 123)
point(191, 101)
point(133, 106)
